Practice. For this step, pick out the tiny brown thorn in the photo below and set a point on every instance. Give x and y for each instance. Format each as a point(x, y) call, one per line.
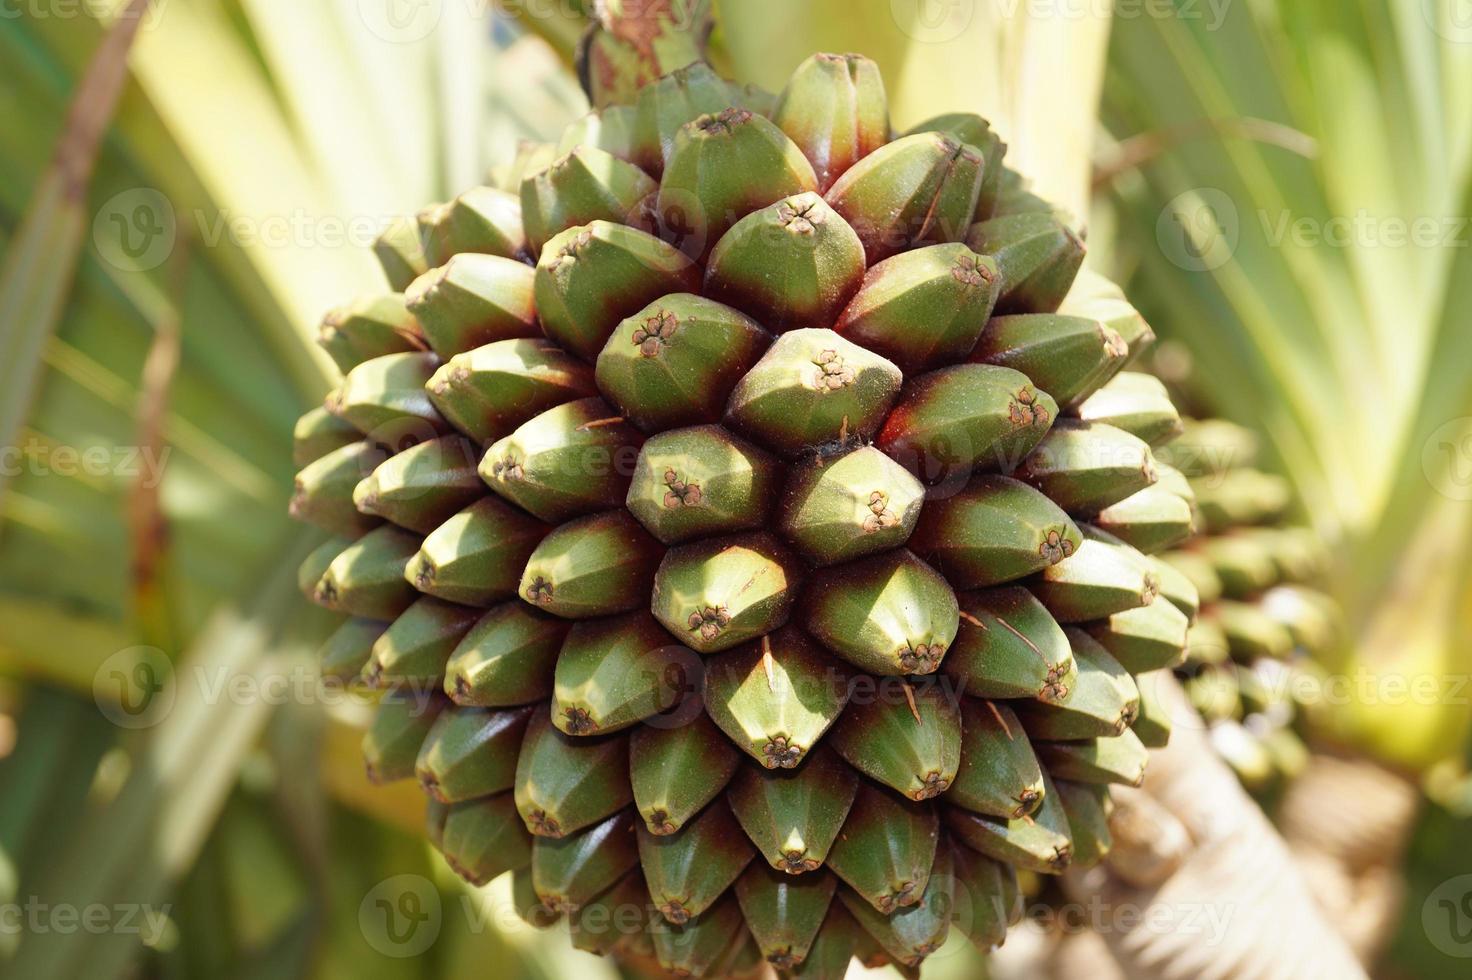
point(660, 824)
point(910, 699)
point(600, 423)
point(767, 664)
point(675, 912)
point(1000, 720)
point(1023, 637)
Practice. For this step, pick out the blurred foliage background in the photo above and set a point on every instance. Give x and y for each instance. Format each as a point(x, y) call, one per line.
point(186, 187)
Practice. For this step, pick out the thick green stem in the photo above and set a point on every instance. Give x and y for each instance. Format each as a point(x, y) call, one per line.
point(636, 41)
point(561, 25)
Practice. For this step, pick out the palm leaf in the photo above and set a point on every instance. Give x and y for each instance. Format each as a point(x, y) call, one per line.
point(1322, 288)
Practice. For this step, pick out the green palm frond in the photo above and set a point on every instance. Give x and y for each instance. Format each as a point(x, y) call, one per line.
point(1321, 279)
point(250, 161)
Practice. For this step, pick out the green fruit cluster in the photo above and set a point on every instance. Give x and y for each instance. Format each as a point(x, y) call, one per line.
point(1251, 656)
point(746, 515)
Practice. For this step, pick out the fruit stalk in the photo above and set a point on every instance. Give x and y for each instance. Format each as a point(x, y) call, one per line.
point(634, 42)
